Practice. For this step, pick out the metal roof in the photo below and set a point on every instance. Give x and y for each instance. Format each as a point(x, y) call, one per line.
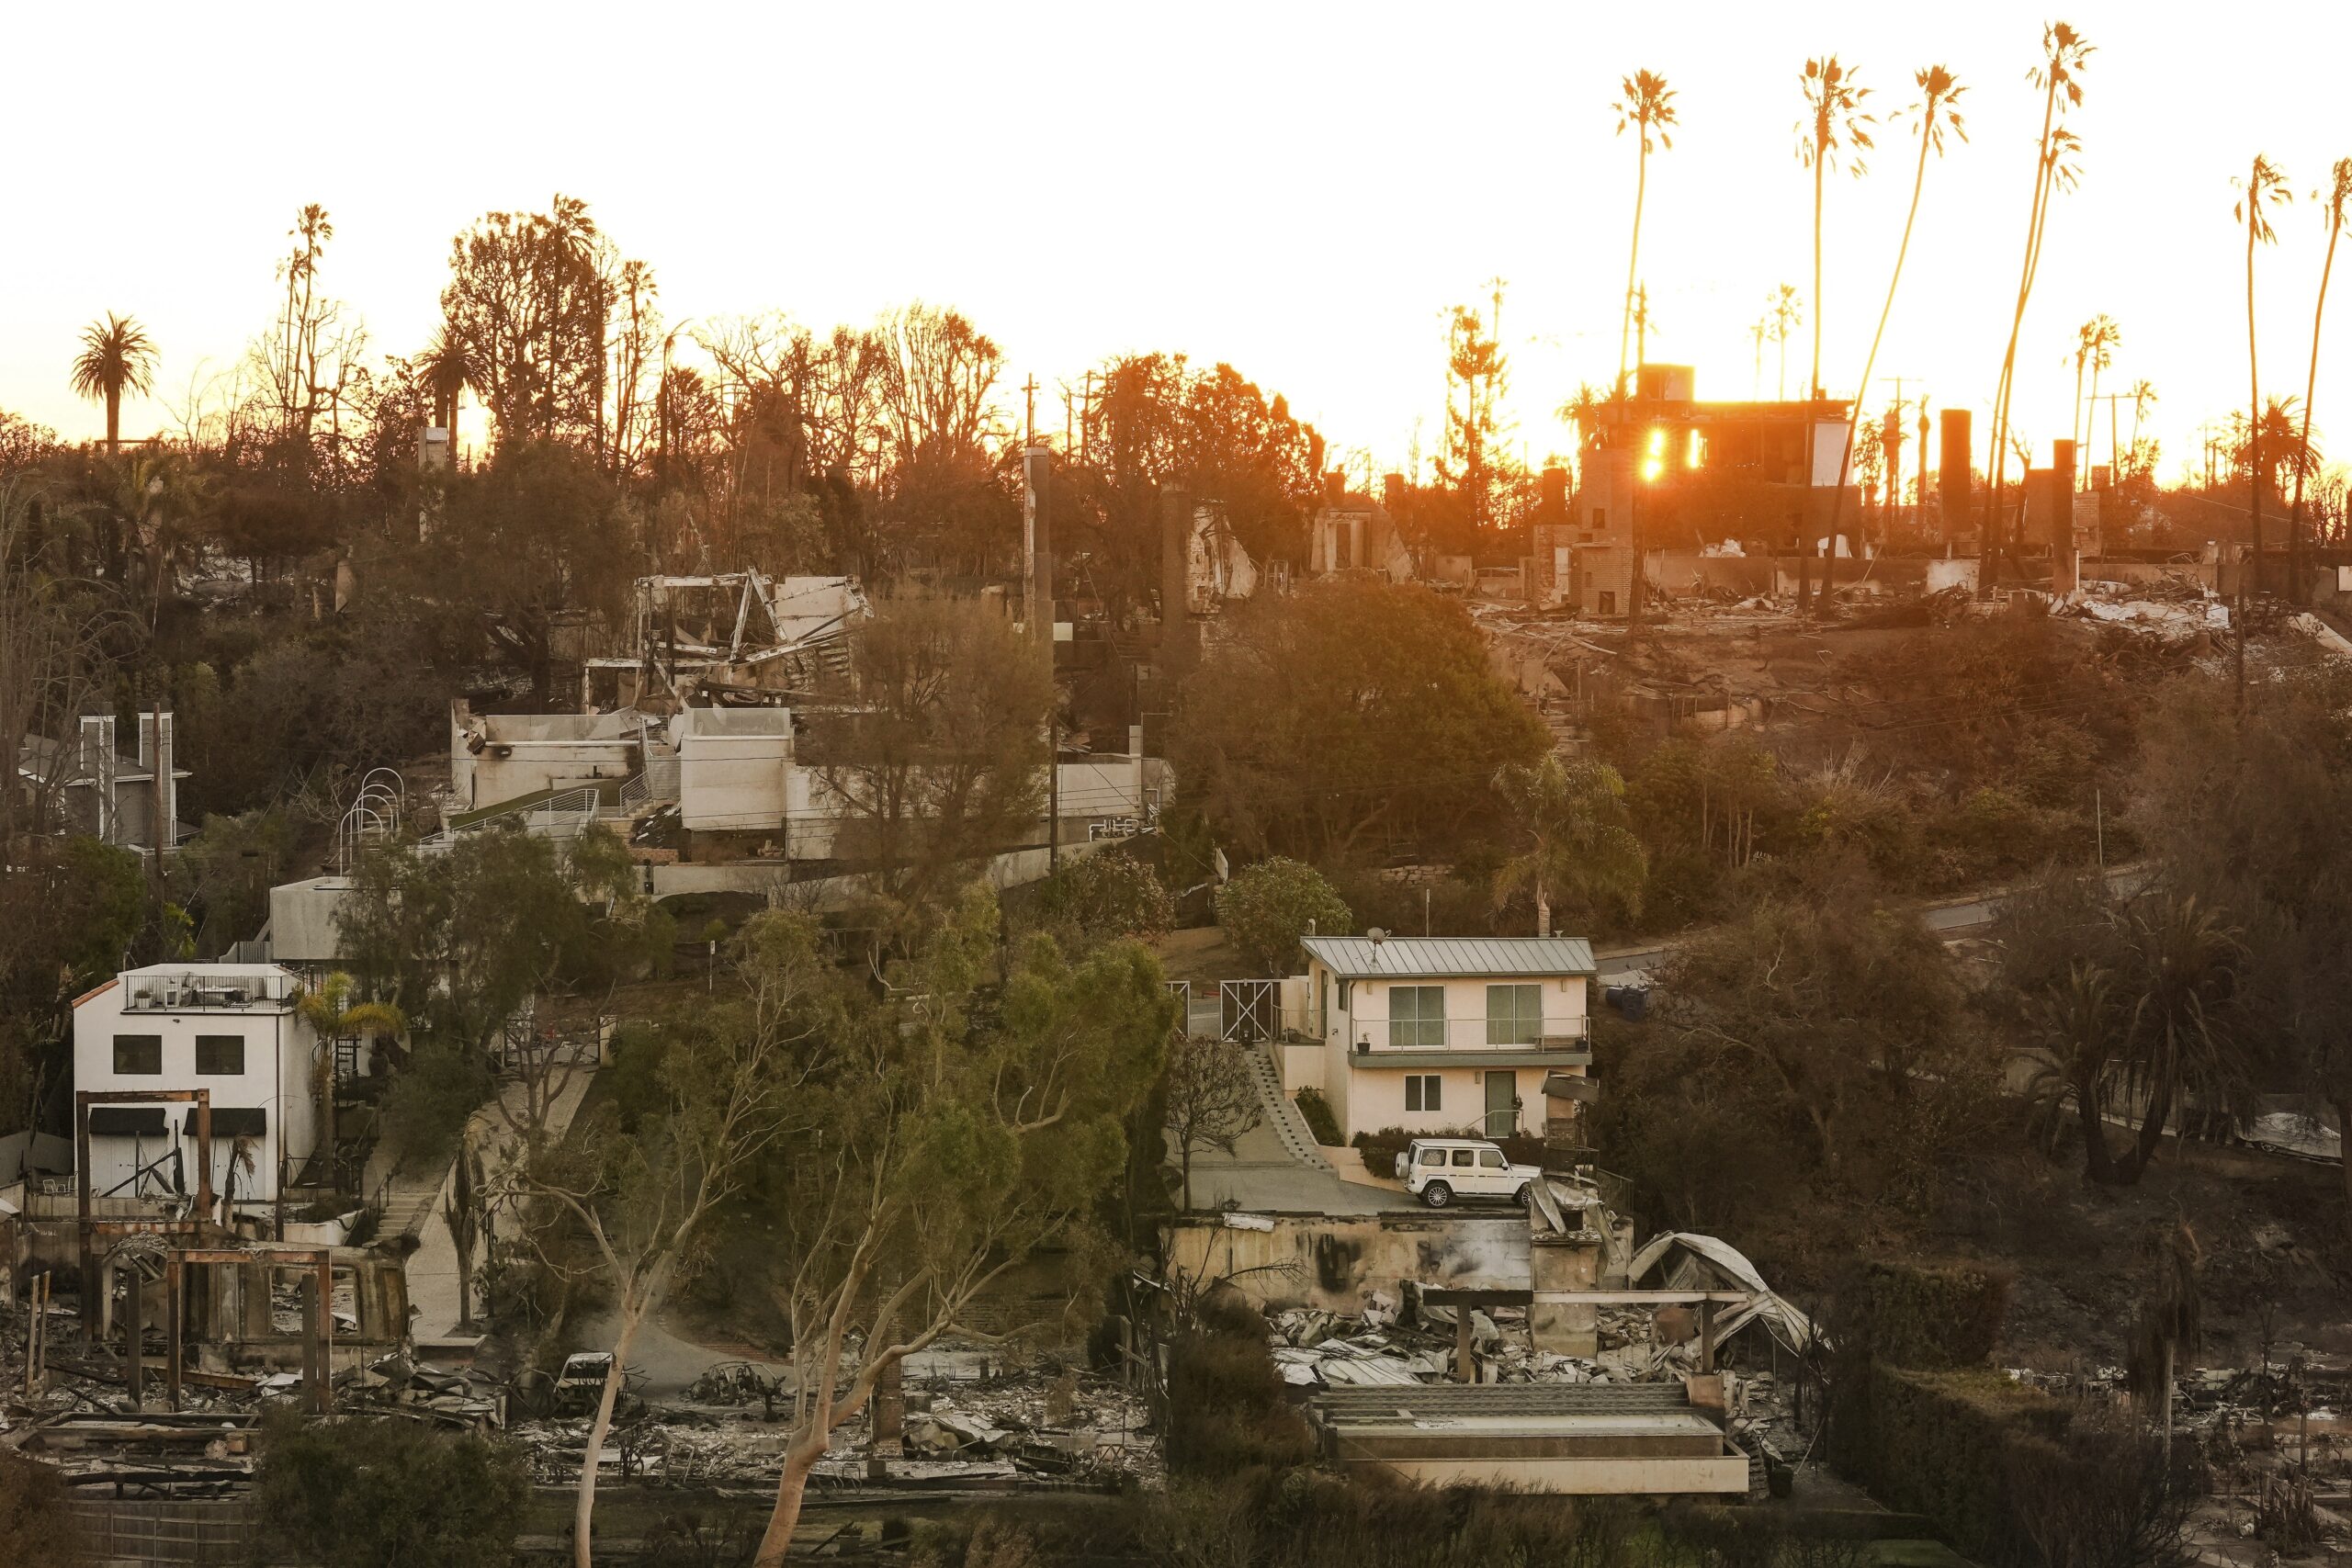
point(1440, 957)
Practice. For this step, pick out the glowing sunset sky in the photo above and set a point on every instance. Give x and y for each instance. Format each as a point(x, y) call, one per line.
point(1298, 190)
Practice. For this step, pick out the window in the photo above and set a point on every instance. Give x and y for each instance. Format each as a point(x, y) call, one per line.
point(1432, 1157)
point(1417, 1017)
point(1514, 1015)
point(1490, 1160)
point(1323, 1002)
point(1608, 603)
point(138, 1055)
point(219, 1055)
point(1601, 517)
point(1462, 1158)
point(1421, 1092)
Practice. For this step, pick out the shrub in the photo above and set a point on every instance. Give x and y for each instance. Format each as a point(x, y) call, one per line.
point(432, 1099)
point(1317, 1113)
point(35, 1530)
point(1103, 896)
point(1933, 1318)
point(1227, 1411)
point(381, 1494)
point(1267, 908)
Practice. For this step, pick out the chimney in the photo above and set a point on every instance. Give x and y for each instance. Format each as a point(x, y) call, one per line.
point(2065, 570)
point(1392, 491)
point(1037, 543)
point(1953, 480)
point(1552, 495)
point(1335, 487)
point(1175, 566)
point(155, 757)
point(95, 767)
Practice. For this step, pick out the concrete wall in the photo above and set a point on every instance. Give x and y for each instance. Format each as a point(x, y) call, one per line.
point(1582, 1477)
point(1376, 1097)
point(734, 769)
point(1337, 1262)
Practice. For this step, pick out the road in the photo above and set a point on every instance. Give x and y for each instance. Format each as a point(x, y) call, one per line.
point(1950, 920)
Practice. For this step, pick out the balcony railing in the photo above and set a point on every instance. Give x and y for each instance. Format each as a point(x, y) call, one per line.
point(196, 991)
point(1250, 1011)
point(1375, 1036)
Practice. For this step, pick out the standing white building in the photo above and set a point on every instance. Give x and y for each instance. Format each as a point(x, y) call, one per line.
point(230, 1028)
point(1439, 1034)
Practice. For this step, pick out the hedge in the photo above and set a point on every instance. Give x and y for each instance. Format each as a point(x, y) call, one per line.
point(1932, 1317)
point(1379, 1150)
point(1943, 1444)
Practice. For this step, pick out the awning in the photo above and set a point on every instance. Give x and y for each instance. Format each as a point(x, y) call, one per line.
point(233, 1122)
point(127, 1121)
point(1563, 1086)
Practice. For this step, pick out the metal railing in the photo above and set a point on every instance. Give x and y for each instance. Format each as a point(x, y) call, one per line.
point(1250, 1012)
point(656, 784)
point(197, 991)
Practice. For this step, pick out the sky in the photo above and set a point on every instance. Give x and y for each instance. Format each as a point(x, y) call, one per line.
point(1298, 190)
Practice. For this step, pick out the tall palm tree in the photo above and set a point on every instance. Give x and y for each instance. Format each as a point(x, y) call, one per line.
point(2064, 54)
point(2143, 398)
point(447, 369)
point(2171, 1319)
point(2096, 342)
point(333, 1016)
point(2339, 203)
point(1788, 311)
point(1647, 103)
point(1579, 837)
point(1833, 125)
point(117, 357)
point(2262, 192)
point(1938, 110)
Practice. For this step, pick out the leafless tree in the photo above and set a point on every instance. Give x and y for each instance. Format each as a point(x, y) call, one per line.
point(1213, 1100)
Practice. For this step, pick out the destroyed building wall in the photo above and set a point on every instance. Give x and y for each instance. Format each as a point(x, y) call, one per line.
point(735, 768)
point(1337, 1263)
point(495, 757)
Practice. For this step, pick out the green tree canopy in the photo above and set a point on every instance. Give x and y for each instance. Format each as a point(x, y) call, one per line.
point(1351, 707)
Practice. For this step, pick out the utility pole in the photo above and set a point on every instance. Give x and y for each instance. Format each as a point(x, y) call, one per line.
point(1029, 412)
point(1054, 788)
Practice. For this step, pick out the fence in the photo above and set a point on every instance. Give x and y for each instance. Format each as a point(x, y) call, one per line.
point(160, 1531)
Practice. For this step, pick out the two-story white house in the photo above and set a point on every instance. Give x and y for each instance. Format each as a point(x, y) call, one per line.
point(1438, 1033)
point(230, 1028)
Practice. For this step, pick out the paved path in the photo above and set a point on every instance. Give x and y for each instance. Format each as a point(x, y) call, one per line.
point(1276, 1168)
point(435, 1284)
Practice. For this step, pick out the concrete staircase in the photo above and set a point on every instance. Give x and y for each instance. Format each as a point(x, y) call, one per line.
point(1281, 1114)
point(410, 1201)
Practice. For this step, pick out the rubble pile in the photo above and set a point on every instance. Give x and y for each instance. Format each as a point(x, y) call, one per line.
point(1403, 1344)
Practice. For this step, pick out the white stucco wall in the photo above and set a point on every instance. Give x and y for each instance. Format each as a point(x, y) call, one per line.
point(280, 1051)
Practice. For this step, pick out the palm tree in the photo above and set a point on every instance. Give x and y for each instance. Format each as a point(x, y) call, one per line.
point(117, 357)
point(2095, 341)
point(1647, 103)
point(2185, 968)
point(2143, 398)
point(445, 369)
point(333, 1016)
point(2065, 53)
point(1833, 120)
point(2339, 201)
point(2262, 191)
point(1788, 310)
point(1581, 842)
point(1938, 109)
point(2079, 1033)
point(2172, 1319)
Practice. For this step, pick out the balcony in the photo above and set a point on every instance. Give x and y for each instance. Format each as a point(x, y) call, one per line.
point(197, 991)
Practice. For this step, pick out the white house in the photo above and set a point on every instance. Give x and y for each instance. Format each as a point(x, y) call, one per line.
point(230, 1028)
point(1438, 1033)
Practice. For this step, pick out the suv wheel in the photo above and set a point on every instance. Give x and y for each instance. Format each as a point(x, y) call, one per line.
point(1525, 1196)
point(1437, 1194)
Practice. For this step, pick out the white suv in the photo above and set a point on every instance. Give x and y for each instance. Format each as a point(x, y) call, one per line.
point(1439, 1170)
